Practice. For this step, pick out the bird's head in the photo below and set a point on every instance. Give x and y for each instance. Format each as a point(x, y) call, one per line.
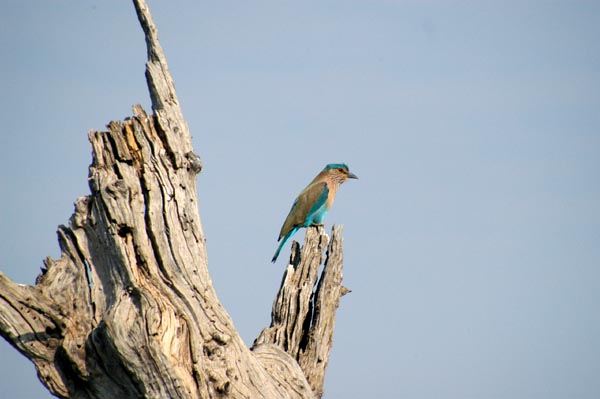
point(339, 171)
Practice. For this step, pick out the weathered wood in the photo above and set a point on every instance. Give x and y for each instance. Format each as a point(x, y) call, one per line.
point(303, 319)
point(129, 309)
point(314, 357)
point(165, 103)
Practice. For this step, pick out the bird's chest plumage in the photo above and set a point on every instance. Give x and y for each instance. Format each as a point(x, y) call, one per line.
point(333, 187)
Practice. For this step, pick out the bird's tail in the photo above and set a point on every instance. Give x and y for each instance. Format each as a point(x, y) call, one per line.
point(287, 237)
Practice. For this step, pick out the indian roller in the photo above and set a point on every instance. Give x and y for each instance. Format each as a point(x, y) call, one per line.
point(312, 204)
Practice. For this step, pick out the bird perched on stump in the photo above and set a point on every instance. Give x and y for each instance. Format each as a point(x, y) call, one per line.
point(311, 206)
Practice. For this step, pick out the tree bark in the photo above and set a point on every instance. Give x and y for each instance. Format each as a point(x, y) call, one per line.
point(302, 319)
point(129, 310)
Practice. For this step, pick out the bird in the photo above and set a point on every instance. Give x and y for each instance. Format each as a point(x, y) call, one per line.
point(312, 204)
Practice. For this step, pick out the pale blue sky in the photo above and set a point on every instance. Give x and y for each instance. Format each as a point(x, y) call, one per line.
point(472, 239)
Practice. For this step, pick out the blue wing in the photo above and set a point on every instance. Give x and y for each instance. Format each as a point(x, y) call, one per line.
point(319, 209)
point(309, 208)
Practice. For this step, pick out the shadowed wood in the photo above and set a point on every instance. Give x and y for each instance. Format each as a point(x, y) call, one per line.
point(129, 309)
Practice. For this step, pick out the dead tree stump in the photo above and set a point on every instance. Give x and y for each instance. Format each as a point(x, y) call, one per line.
point(129, 310)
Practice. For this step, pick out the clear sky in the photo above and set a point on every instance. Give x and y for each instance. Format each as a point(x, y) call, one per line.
point(472, 239)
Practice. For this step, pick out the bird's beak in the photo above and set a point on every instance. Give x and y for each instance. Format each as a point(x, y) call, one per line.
point(352, 176)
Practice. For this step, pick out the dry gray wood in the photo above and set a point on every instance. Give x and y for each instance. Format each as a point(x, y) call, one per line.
point(303, 319)
point(129, 309)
